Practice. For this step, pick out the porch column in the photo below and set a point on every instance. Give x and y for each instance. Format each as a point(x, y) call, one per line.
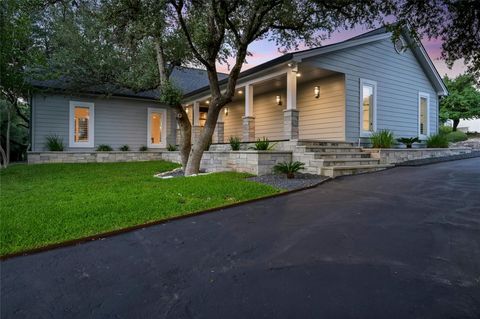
point(290, 114)
point(196, 121)
point(248, 127)
point(218, 134)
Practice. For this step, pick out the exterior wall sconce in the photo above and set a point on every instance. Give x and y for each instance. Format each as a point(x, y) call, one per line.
point(298, 74)
point(279, 100)
point(316, 91)
point(240, 92)
point(186, 110)
point(226, 111)
point(207, 101)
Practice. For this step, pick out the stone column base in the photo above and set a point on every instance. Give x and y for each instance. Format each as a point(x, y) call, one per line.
point(196, 130)
point(218, 134)
point(248, 129)
point(290, 124)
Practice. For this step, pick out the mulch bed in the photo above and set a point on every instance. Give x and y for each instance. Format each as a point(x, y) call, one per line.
point(281, 181)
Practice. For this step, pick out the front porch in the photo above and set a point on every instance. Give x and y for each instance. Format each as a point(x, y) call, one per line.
point(290, 104)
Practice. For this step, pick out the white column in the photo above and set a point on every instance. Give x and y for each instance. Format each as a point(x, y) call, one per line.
point(292, 89)
point(196, 113)
point(248, 101)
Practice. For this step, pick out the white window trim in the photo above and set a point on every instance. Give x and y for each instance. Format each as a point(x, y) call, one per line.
point(163, 142)
point(374, 109)
point(91, 124)
point(427, 129)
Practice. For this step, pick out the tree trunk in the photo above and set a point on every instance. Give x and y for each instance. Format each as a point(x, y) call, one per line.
point(185, 139)
point(7, 142)
point(193, 164)
point(3, 157)
point(455, 124)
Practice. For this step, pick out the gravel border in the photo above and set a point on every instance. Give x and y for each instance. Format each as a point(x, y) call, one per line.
point(281, 181)
point(433, 160)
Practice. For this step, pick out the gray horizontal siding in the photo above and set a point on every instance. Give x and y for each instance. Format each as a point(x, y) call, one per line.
point(118, 121)
point(399, 79)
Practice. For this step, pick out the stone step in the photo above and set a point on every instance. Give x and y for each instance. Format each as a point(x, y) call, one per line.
point(333, 155)
point(350, 162)
point(332, 149)
point(335, 171)
point(323, 143)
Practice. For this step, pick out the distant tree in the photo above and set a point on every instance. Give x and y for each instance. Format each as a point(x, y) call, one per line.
point(20, 53)
point(463, 101)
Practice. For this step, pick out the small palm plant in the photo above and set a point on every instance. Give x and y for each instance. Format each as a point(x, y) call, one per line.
point(234, 143)
point(408, 141)
point(143, 148)
point(382, 139)
point(263, 145)
point(54, 143)
point(125, 148)
point(104, 148)
point(172, 148)
point(289, 168)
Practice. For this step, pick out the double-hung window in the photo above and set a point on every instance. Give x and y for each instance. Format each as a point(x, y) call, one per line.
point(81, 124)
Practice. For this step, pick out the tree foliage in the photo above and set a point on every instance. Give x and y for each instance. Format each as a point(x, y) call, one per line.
point(463, 101)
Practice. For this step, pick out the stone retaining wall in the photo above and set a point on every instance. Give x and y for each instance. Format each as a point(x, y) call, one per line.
point(91, 157)
point(254, 162)
point(399, 155)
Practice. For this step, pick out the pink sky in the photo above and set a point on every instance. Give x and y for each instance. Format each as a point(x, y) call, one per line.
point(263, 51)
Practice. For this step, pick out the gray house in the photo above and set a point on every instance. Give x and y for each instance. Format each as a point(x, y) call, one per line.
point(340, 92)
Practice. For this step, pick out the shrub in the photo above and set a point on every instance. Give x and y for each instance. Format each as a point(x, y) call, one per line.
point(382, 139)
point(124, 148)
point(289, 168)
point(457, 136)
point(263, 145)
point(143, 148)
point(54, 143)
point(172, 148)
point(444, 129)
point(104, 148)
point(408, 141)
point(234, 143)
point(437, 141)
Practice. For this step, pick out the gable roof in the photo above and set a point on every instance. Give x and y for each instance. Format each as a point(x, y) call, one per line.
point(370, 36)
point(187, 79)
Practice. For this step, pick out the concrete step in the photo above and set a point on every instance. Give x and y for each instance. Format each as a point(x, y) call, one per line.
point(323, 143)
point(332, 149)
point(350, 162)
point(335, 171)
point(339, 155)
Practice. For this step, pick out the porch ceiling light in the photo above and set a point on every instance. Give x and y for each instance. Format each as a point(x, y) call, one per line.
point(316, 90)
point(279, 100)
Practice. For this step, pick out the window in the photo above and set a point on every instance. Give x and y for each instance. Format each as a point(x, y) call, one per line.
point(423, 114)
point(368, 105)
point(81, 124)
point(156, 127)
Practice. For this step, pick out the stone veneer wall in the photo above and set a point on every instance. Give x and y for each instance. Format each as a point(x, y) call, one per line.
point(254, 162)
point(398, 155)
point(91, 157)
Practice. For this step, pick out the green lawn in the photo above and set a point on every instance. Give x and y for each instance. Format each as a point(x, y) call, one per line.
point(51, 203)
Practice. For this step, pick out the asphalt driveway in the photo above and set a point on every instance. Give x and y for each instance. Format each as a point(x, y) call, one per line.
point(402, 243)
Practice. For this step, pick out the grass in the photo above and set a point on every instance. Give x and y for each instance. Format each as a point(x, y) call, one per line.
point(50, 203)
